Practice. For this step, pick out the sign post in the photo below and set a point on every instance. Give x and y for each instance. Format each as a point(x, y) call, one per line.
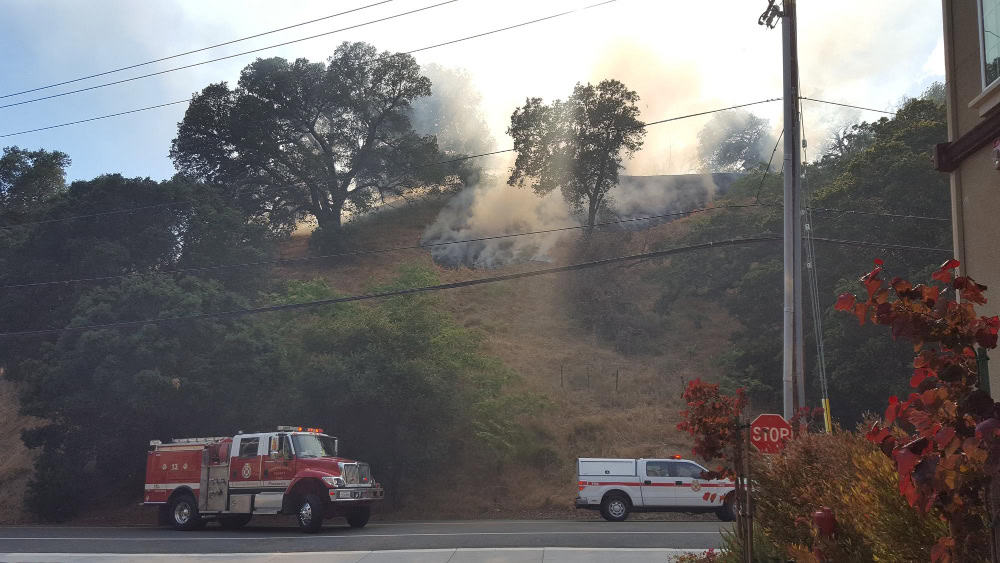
point(769, 432)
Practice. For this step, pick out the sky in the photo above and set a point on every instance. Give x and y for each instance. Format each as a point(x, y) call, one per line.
point(681, 57)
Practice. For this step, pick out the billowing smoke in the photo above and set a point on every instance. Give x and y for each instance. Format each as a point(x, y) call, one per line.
point(452, 112)
point(736, 141)
point(643, 196)
point(492, 208)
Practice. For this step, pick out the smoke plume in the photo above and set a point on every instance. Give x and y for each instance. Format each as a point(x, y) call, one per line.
point(493, 208)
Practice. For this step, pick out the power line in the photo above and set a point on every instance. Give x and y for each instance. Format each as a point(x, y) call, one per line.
point(77, 122)
point(877, 214)
point(401, 14)
point(283, 261)
point(454, 285)
point(193, 51)
point(205, 62)
point(882, 245)
point(847, 105)
point(712, 111)
point(217, 59)
point(385, 294)
point(763, 175)
point(560, 14)
point(100, 214)
point(459, 159)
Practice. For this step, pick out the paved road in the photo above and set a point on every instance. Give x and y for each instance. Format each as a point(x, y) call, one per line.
point(376, 536)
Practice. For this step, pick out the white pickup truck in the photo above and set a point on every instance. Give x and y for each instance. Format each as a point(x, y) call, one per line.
point(619, 486)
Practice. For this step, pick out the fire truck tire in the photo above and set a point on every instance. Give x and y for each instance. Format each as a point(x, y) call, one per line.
point(234, 522)
point(358, 517)
point(728, 511)
point(310, 514)
point(615, 507)
point(183, 513)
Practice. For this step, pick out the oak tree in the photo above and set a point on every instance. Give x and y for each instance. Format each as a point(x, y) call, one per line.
point(577, 145)
point(297, 138)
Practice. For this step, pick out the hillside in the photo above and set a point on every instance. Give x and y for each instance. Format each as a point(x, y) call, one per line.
point(529, 325)
point(599, 402)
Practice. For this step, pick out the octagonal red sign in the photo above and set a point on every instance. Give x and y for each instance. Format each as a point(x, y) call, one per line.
point(769, 432)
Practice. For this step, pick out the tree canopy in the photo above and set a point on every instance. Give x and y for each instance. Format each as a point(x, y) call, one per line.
point(28, 178)
point(736, 141)
point(297, 139)
point(577, 145)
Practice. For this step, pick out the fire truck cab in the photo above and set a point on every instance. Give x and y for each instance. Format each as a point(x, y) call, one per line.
point(293, 470)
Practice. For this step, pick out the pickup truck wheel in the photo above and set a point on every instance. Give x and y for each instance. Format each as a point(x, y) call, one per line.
point(234, 522)
point(183, 513)
point(358, 517)
point(615, 508)
point(310, 514)
point(727, 512)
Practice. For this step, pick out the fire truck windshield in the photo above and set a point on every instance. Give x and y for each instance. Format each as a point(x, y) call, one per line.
point(312, 445)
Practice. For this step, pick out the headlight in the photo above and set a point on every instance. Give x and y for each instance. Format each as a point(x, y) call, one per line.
point(334, 482)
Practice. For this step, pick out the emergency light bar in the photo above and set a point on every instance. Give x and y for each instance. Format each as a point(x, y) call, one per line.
point(299, 429)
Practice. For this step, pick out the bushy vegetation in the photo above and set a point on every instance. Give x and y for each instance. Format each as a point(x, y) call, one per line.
point(879, 167)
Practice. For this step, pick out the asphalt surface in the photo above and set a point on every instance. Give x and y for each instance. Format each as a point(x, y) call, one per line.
point(463, 535)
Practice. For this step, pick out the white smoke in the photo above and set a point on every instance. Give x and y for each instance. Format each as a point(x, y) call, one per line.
point(491, 208)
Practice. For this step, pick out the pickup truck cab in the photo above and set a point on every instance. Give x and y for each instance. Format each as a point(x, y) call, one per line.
point(618, 487)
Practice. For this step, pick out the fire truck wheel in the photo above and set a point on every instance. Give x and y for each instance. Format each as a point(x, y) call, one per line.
point(310, 514)
point(615, 507)
point(234, 522)
point(727, 513)
point(184, 513)
point(358, 517)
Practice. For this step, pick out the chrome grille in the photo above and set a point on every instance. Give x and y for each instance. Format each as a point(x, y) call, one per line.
point(356, 473)
point(350, 473)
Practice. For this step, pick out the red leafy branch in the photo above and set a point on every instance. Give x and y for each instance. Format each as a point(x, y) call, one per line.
point(713, 420)
point(952, 448)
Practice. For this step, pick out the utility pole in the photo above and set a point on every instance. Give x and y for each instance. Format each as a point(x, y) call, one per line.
point(793, 372)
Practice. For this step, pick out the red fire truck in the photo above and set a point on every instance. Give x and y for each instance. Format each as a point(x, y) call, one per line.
point(293, 470)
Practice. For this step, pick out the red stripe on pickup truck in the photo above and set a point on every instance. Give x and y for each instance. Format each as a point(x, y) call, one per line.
point(626, 484)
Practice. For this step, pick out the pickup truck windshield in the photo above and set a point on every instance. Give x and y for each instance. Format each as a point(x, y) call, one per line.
point(307, 445)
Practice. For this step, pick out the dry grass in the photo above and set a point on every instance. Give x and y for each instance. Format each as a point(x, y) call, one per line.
point(528, 325)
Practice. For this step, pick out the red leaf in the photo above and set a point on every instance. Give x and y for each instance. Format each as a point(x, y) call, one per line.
point(970, 290)
point(900, 286)
point(879, 262)
point(919, 375)
point(944, 436)
point(845, 302)
point(905, 461)
point(930, 294)
point(892, 410)
point(943, 274)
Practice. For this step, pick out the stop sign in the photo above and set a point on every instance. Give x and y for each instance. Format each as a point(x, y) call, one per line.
point(768, 433)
